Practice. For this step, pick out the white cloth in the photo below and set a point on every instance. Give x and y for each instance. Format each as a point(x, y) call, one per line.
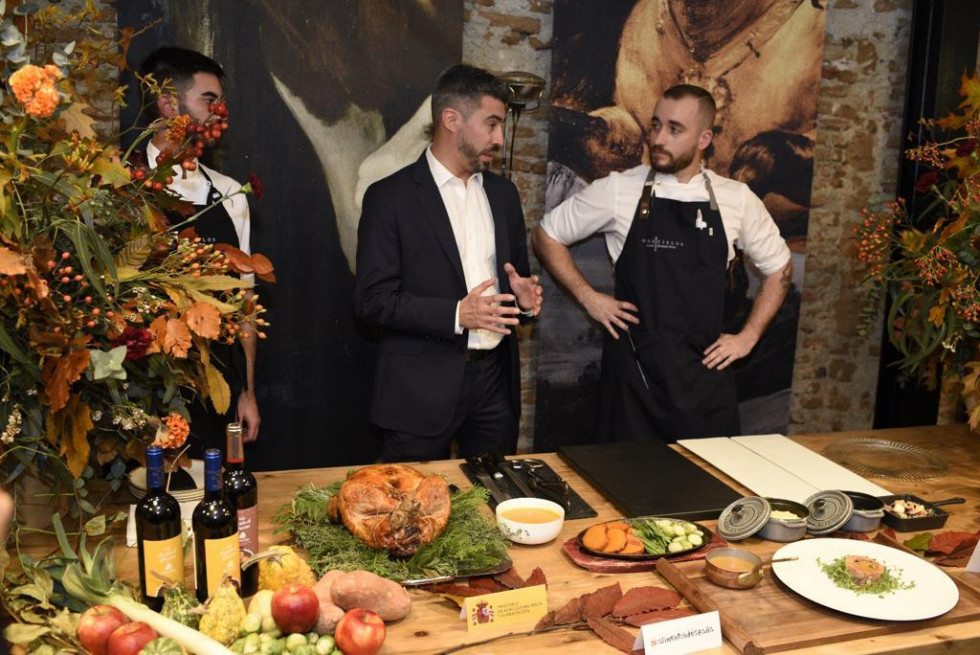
point(608, 204)
point(193, 187)
point(472, 223)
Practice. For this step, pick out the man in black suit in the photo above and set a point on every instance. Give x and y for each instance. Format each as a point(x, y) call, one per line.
point(442, 269)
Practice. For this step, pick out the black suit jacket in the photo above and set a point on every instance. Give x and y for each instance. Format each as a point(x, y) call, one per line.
point(409, 279)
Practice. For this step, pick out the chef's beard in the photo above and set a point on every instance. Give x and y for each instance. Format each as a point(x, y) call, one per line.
point(673, 164)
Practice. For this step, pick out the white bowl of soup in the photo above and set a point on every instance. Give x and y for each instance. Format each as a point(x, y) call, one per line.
point(530, 520)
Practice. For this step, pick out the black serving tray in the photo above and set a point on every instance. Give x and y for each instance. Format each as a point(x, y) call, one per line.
point(577, 507)
point(650, 479)
point(917, 523)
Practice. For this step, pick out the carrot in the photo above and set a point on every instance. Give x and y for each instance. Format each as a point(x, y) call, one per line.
point(616, 541)
point(595, 537)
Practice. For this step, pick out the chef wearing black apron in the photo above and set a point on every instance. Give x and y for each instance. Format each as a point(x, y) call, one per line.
point(672, 268)
point(215, 226)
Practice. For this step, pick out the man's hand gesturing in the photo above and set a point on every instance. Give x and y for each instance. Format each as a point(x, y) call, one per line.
point(527, 289)
point(480, 312)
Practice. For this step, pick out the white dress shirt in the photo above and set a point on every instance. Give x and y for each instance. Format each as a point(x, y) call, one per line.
point(472, 223)
point(608, 205)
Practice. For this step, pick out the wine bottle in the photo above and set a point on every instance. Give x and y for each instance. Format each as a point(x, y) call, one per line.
point(242, 493)
point(216, 552)
point(158, 539)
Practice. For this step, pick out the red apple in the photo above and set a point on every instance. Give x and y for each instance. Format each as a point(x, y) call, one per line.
point(95, 626)
point(295, 608)
point(360, 632)
point(129, 639)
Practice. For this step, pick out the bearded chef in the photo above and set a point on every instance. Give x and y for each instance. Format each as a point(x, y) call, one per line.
point(670, 229)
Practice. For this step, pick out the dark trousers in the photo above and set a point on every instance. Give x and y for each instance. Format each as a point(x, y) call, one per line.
point(484, 418)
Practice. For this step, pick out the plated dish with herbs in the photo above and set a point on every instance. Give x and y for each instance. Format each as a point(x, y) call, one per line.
point(866, 579)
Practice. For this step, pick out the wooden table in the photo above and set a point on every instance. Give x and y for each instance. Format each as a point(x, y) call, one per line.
point(433, 624)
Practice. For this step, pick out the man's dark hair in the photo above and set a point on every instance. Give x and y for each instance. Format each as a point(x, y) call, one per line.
point(706, 104)
point(462, 87)
point(178, 65)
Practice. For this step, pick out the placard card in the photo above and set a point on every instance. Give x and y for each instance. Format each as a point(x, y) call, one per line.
point(505, 608)
point(690, 634)
point(973, 566)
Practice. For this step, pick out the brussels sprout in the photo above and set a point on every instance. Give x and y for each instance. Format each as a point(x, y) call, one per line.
point(252, 623)
point(294, 641)
point(695, 538)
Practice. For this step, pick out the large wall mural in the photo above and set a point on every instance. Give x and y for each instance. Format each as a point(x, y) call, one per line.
point(325, 97)
point(761, 60)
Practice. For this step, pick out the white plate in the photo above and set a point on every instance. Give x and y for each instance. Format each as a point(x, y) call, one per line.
point(934, 592)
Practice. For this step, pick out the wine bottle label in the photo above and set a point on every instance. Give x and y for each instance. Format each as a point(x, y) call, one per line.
point(164, 557)
point(222, 556)
point(248, 530)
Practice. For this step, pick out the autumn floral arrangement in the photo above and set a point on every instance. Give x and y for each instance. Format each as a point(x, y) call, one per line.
point(929, 263)
point(109, 306)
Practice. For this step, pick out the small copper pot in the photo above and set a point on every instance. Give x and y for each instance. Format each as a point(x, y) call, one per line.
point(729, 577)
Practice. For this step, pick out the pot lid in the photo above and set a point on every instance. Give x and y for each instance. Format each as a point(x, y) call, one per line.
point(743, 518)
point(829, 510)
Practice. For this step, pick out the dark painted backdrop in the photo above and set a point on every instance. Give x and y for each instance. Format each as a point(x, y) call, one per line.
point(336, 58)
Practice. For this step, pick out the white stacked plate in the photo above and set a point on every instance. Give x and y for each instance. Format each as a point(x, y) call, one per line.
point(137, 483)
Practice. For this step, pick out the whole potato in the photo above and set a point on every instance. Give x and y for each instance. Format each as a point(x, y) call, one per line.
point(363, 589)
point(330, 614)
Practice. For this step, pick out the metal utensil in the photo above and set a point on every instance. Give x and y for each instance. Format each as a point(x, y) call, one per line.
point(498, 464)
point(636, 358)
point(485, 479)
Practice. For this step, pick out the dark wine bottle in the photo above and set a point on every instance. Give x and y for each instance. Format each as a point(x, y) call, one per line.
point(216, 552)
point(158, 540)
point(242, 493)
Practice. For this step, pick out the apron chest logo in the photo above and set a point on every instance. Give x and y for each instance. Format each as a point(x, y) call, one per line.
point(656, 243)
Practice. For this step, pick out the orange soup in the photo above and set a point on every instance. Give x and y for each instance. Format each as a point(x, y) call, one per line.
point(530, 515)
point(729, 563)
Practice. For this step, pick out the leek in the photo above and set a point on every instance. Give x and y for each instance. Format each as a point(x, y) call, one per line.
point(90, 578)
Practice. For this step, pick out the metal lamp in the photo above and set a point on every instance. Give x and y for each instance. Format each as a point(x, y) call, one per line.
point(525, 89)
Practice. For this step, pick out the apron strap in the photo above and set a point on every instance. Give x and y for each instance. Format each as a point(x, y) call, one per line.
point(643, 207)
point(711, 192)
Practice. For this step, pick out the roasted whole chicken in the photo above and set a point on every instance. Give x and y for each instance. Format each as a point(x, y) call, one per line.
point(392, 507)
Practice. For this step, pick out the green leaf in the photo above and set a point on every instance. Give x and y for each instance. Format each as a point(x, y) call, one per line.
point(103, 365)
point(212, 282)
point(59, 531)
point(919, 542)
point(65, 622)
point(43, 580)
point(112, 172)
point(8, 345)
point(31, 591)
point(22, 633)
point(95, 526)
point(88, 246)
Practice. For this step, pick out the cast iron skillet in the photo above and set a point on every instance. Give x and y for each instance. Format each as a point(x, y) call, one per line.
point(936, 519)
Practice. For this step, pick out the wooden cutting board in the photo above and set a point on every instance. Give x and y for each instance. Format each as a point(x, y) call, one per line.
point(770, 618)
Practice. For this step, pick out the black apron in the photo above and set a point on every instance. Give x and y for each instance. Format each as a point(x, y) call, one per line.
point(673, 268)
point(215, 226)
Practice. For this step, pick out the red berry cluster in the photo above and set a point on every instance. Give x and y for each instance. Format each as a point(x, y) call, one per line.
point(193, 137)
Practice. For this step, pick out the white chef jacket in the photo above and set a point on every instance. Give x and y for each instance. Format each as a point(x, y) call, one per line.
point(608, 205)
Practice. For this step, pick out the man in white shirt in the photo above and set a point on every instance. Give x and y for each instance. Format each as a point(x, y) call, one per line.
point(442, 270)
point(195, 85)
point(670, 229)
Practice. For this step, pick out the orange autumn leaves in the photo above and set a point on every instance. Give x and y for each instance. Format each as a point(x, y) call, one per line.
point(71, 418)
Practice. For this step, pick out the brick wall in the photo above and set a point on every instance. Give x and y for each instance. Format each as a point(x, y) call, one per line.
point(858, 145)
point(858, 148)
